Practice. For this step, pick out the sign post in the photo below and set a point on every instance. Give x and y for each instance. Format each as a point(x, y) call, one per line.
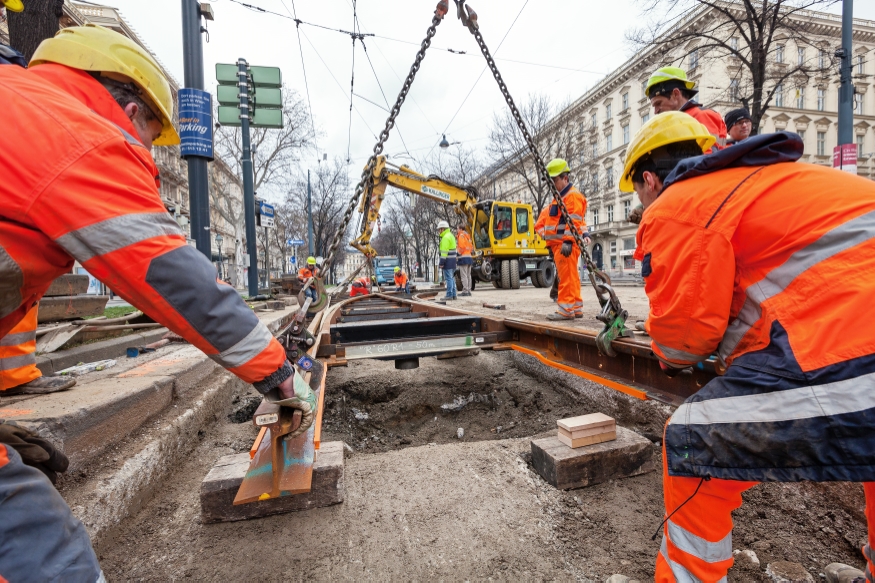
point(844, 157)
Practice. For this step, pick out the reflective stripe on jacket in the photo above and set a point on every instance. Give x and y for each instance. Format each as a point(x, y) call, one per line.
point(82, 187)
point(551, 223)
point(770, 264)
point(710, 119)
point(448, 250)
point(400, 279)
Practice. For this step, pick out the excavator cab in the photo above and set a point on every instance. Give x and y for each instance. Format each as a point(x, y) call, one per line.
point(505, 228)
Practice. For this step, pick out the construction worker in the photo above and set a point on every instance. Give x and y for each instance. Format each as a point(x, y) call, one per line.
point(360, 287)
point(770, 264)
point(448, 258)
point(401, 283)
point(307, 273)
point(738, 125)
point(668, 89)
point(465, 248)
point(83, 187)
point(551, 226)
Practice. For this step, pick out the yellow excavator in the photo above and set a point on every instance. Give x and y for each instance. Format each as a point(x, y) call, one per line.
point(507, 249)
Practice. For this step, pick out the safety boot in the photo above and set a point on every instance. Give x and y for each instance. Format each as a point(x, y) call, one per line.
point(841, 573)
point(556, 316)
point(41, 386)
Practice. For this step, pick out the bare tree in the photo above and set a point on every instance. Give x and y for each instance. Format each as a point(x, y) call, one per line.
point(39, 20)
point(752, 39)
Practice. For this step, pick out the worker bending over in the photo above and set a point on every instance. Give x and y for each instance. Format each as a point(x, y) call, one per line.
point(551, 226)
point(770, 264)
point(307, 273)
point(401, 283)
point(448, 258)
point(84, 187)
point(360, 287)
point(465, 248)
point(668, 89)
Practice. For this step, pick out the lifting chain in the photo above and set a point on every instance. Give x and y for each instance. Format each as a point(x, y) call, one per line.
point(367, 173)
point(612, 315)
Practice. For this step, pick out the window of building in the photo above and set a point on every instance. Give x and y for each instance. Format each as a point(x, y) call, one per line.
point(595, 180)
point(694, 58)
point(800, 56)
point(644, 88)
point(821, 143)
point(595, 217)
point(860, 62)
point(859, 145)
point(625, 101)
point(733, 43)
point(582, 127)
point(594, 120)
point(801, 134)
point(821, 99)
point(628, 262)
point(779, 54)
point(645, 118)
point(800, 98)
point(609, 183)
point(733, 90)
point(595, 150)
point(613, 262)
point(821, 59)
point(608, 112)
point(858, 104)
point(609, 142)
point(627, 209)
point(610, 219)
point(613, 243)
point(779, 95)
point(629, 244)
point(625, 134)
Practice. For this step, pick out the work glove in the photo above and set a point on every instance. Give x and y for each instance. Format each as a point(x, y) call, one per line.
point(669, 371)
point(33, 449)
point(566, 249)
point(294, 392)
point(636, 214)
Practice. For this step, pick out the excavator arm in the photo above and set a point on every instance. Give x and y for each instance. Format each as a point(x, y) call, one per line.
point(463, 199)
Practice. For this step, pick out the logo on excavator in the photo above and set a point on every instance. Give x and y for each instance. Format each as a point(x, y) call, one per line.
point(435, 192)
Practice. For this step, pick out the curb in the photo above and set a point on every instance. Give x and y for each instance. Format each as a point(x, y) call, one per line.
point(112, 348)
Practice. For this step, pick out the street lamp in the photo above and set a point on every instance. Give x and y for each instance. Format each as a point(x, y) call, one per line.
point(219, 240)
point(444, 143)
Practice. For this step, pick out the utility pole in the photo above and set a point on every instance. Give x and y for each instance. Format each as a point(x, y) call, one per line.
point(198, 181)
point(310, 218)
point(846, 89)
point(248, 185)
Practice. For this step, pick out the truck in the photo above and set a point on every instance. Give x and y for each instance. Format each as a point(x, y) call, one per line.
point(507, 248)
point(384, 266)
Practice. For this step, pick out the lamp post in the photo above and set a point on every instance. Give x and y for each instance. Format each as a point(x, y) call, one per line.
point(219, 241)
point(445, 144)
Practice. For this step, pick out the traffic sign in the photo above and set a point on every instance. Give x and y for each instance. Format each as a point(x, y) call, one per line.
point(228, 95)
point(265, 214)
point(266, 76)
point(226, 74)
point(294, 242)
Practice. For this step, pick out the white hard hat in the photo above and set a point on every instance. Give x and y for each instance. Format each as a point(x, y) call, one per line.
point(443, 225)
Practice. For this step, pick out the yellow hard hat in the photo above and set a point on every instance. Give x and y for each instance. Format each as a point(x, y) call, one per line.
point(13, 5)
point(664, 74)
point(95, 48)
point(311, 260)
point(397, 269)
point(663, 129)
point(557, 166)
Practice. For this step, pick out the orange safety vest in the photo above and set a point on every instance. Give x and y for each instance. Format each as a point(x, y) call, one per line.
point(401, 279)
point(80, 186)
point(771, 265)
point(710, 119)
point(551, 224)
point(306, 273)
point(464, 246)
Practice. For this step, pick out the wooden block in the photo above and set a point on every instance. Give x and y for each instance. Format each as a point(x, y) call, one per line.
point(563, 467)
point(588, 440)
point(587, 432)
point(68, 284)
point(219, 488)
point(70, 307)
point(582, 422)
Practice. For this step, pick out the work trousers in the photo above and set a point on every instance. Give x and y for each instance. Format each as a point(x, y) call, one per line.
point(18, 353)
point(569, 299)
point(697, 539)
point(465, 274)
point(450, 279)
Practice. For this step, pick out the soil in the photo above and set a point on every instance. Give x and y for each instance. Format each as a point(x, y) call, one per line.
point(421, 503)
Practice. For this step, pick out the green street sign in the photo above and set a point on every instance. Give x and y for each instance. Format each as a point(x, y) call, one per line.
point(268, 97)
point(266, 76)
point(227, 95)
point(268, 118)
point(226, 74)
point(229, 116)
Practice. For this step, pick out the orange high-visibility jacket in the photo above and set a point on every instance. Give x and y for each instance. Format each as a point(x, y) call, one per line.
point(551, 224)
point(771, 265)
point(77, 184)
point(710, 119)
point(464, 245)
point(306, 273)
point(400, 279)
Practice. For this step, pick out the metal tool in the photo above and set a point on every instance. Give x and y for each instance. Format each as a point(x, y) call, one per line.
point(135, 351)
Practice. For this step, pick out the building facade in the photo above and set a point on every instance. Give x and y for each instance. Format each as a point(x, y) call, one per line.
point(593, 132)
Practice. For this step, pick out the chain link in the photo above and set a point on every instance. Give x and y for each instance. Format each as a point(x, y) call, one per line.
point(600, 280)
point(439, 14)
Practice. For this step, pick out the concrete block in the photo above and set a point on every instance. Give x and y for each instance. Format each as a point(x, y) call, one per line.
point(84, 420)
point(565, 468)
point(68, 284)
point(188, 366)
point(220, 486)
point(112, 348)
point(70, 307)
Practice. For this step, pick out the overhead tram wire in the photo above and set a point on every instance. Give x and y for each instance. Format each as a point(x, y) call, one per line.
point(351, 85)
point(498, 48)
point(304, 69)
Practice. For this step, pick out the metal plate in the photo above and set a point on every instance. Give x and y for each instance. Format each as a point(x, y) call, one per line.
point(408, 347)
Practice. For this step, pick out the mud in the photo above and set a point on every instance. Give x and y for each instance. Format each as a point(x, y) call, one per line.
point(423, 504)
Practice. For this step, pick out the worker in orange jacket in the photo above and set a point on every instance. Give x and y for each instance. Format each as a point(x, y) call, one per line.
point(770, 264)
point(401, 283)
point(464, 247)
point(307, 273)
point(668, 89)
point(82, 186)
point(360, 287)
point(551, 226)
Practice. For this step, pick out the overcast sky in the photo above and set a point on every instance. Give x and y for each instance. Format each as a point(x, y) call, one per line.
point(572, 44)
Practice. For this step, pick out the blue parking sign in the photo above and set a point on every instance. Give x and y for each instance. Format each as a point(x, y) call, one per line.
point(195, 123)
